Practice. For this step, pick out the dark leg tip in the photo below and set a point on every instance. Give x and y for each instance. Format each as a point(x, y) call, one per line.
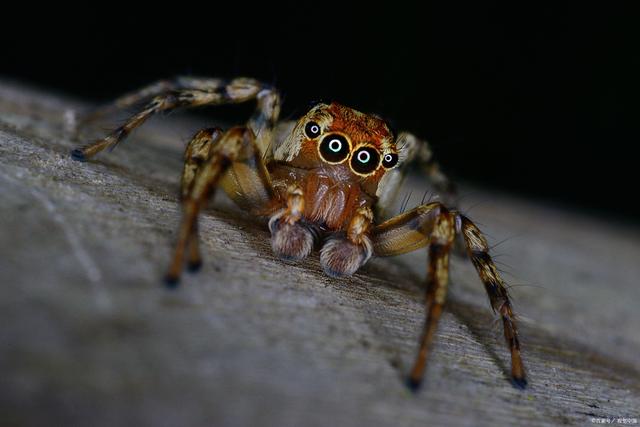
point(413, 384)
point(194, 266)
point(78, 154)
point(171, 282)
point(520, 383)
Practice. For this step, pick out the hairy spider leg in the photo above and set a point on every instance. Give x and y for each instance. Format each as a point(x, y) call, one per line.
point(478, 250)
point(233, 158)
point(215, 92)
point(440, 243)
point(145, 94)
point(197, 153)
point(235, 161)
point(434, 226)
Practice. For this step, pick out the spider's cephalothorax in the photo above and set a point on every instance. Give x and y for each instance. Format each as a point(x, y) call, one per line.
point(326, 174)
point(323, 181)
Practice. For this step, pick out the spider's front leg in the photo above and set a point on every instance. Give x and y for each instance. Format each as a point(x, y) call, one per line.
point(197, 153)
point(433, 225)
point(478, 251)
point(230, 160)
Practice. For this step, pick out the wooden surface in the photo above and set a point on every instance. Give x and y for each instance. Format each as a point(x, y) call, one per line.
point(90, 337)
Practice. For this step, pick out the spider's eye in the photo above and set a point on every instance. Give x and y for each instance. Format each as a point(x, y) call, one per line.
point(365, 160)
point(312, 130)
point(334, 148)
point(389, 160)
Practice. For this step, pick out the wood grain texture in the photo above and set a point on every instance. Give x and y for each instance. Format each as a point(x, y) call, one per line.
point(90, 337)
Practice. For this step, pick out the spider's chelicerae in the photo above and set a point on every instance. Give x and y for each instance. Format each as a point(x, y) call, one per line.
point(325, 181)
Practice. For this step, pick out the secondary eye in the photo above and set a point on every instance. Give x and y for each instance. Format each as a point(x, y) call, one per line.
point(334, 148)
point(365, 160)
point(389, 160)
point(312, 129)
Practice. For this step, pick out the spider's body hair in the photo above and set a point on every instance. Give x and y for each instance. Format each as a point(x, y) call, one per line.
point(324, 180)
point(331, 195)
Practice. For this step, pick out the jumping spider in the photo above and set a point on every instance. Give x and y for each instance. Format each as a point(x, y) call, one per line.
point(325, 182)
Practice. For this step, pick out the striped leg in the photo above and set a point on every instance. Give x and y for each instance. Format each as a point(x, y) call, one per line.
point(154, 89)
point(432, 224)
point(478, 251)
point(233, 147)
point(214, 92)
point(437, 282)
point(197, 153)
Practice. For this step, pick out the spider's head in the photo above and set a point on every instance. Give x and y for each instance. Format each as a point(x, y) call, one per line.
point(333, 137)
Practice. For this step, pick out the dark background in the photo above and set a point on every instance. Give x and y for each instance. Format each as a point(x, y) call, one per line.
point(537, 100)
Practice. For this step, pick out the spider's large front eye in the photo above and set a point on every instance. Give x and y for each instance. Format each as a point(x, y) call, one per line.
point(365, 160)
point(334, 148)
point(389, 160)
point(312, 130)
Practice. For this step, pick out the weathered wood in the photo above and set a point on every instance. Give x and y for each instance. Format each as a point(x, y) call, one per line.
point(90, 337)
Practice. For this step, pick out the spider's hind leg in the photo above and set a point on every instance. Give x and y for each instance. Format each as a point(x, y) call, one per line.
point(145, 93)
point(199, 92)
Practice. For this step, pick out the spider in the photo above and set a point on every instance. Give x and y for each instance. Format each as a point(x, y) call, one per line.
point(324, 180)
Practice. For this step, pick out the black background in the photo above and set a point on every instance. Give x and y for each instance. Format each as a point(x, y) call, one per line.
point(537, 100)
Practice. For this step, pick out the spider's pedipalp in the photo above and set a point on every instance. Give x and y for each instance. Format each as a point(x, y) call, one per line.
point(343, 254)
point(291, 239)
point(340, 257)
point(291, 242)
